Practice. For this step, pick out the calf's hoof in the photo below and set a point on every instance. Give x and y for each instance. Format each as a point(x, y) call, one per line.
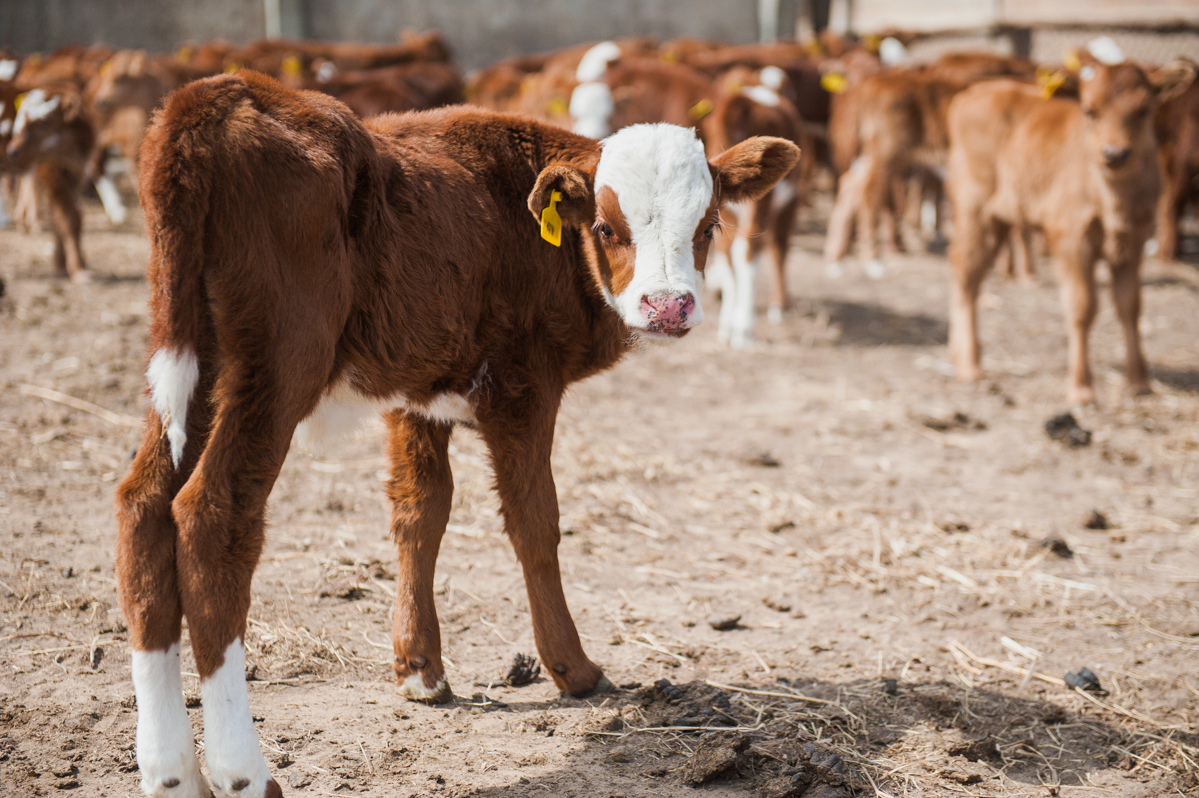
point(774, 314)
point(1080, 396)
point(580, 681)
point(1140, 389)
point(414, 688)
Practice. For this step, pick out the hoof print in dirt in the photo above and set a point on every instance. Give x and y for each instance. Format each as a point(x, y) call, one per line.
point(958, 422)
point(713, 757)
point(724, 623)
point(1064, 429)
point(1059, 547)
point(524, 670)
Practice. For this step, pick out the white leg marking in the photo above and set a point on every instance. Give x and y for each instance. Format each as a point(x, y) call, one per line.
point(745, 274)
point(172, 378)
point(111, 199)
point(231, 746)
point(876, 269)
point(166, 752)
point(414, 687)
point(720, 273)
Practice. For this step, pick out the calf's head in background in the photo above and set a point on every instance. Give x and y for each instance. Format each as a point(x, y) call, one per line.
point(646, 213)
point(40, 129)
point(1118, 104)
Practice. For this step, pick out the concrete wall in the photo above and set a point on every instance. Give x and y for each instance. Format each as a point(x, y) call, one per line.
point(480, 31)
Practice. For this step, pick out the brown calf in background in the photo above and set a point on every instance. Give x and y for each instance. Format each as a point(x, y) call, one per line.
point(1085, 173)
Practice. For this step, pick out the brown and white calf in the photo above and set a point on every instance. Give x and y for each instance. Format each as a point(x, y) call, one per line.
point(52, 139)
point(304, 265)
point(753, 103)
point(1084, 172)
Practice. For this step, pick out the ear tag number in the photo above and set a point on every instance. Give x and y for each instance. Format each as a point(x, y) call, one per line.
point(551, 222)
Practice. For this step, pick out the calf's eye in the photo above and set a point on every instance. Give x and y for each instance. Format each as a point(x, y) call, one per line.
point(605, 231)
point(710, 230)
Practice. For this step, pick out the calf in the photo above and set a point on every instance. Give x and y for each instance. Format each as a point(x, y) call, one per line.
point(1085, 173)
point(1177, 127)
point(53, 136)
point(752, 104)
point(402, 275)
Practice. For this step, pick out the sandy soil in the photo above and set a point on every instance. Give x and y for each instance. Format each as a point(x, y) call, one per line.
point(900, 550)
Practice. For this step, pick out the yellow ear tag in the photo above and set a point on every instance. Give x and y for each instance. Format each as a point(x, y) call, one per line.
point(16, 103)
point(233, 67)
point(871, 42)
point(1051, 83)
point(292, 66)
point(556, 106)
point(551, 222)
point(700, 109)
point(833, 82)
point(1072, 61)
point(184, 54)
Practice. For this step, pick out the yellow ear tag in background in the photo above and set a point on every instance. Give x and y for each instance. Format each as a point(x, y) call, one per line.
point(16, 103)
point(700, 110)
point(1072, 61)
point(551, 222)
point(293, 67)
point(1050, 82)
point(833, 82)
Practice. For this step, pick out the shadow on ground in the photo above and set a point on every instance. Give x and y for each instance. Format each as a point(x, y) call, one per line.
point(874, 325)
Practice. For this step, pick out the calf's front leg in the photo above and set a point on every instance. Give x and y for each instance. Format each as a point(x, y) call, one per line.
point(520, 449)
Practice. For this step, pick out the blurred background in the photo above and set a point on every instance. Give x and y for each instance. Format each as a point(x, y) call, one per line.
point(483, 31)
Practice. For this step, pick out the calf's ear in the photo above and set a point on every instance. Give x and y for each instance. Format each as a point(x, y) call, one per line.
point(577, 205)
point(1174, 78)
point(750, 169)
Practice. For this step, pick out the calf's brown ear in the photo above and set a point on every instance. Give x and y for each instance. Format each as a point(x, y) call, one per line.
point(1174, 78)
point(750, 169)
point(577, 205)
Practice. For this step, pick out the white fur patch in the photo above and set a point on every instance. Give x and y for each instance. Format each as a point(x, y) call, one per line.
point(741, 303)
point(326, 72)
point(166, 751)
point(1106, 51)
point(8, 69)
point(783, 193)
point(5, 125)
point(595, 61)
point(1087, 72)
point(772, 77)
point(414, 687)
point(762, 95)
point(664, 185)
point(344, 412)
point(50, 141)
point(110, 198)
point(33, 108)
point(891, 52)
point(591, 107)
point(231, 747)
point(173, 377)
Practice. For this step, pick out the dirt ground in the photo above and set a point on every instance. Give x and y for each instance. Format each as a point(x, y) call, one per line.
point(914, 565)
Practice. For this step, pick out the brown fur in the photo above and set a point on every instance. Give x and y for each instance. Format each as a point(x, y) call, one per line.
point(403, 262)
point(1085, 174)
point(1177, 127)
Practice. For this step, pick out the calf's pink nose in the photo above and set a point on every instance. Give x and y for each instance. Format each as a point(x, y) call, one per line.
point(666, 310)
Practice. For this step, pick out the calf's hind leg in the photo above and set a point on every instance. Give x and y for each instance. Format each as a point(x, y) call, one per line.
point(149, 594)
point(520, 451)
point(421, 488)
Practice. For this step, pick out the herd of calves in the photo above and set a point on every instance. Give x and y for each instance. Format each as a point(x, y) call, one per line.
point(1094, 154)
point(463, 265)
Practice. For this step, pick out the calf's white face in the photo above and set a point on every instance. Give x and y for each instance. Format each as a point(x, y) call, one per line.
point(655, 212)
point(647, 213)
